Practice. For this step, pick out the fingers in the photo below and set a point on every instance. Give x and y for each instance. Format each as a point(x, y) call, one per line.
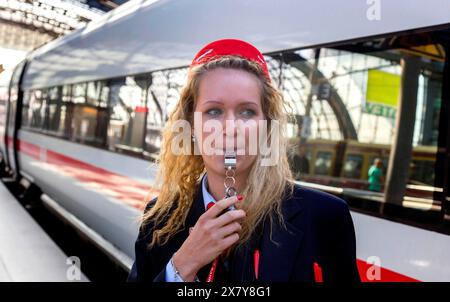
point(217, 232)
point(229, 229)
point(229, 240)
point(229, 217)
point(222, 205)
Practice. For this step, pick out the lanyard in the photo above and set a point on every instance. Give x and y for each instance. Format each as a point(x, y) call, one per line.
point(212, 271)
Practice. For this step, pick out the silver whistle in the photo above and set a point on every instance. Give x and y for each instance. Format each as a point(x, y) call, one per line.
point(229, 159)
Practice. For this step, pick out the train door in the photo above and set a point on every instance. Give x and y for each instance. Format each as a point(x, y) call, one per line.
point(3, 102)
point(13, 118)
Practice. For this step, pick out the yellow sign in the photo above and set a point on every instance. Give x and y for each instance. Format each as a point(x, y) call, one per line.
point(383, 89)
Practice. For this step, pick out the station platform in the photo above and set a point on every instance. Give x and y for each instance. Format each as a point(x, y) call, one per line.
point(27, 253)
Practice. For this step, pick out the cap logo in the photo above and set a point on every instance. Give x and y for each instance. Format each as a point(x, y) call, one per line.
point(207, 52)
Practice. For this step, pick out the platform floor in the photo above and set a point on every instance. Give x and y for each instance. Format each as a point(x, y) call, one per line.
point(27, 253)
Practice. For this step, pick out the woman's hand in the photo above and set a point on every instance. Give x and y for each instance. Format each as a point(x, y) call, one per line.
point(212, 234)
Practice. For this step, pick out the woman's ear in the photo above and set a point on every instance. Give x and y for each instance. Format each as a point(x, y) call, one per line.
point(193, 136)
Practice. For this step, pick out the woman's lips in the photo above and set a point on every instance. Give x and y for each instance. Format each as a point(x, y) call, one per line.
point(238, 151)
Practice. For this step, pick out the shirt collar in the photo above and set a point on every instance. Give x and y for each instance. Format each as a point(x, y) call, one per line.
point(207, 197)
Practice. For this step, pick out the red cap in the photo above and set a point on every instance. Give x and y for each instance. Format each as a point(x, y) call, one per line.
point(231, 47)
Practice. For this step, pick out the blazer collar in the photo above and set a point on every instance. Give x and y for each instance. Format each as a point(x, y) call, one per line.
point(290, 207)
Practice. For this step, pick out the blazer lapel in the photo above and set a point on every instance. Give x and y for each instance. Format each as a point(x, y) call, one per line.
point(242, 268)
point(278, 254)
point(197, 208)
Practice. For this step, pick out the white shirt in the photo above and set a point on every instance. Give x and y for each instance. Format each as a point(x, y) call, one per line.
point(207, 198)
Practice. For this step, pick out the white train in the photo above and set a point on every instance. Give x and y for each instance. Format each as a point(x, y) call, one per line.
point(83, 115)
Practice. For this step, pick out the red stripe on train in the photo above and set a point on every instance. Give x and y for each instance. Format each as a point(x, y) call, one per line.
point(111, 184)
point(367, 274)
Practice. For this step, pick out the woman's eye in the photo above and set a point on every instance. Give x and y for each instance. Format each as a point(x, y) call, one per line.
point(248, 113)
point(214, 112)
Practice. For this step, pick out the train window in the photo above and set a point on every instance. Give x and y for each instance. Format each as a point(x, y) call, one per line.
point(299, 159)
point(351, 95)
point(316, 115)
point(128, 113)
point(64, 126)
point(163, 94)
point(154, 125)
point(65, 120)
point(79, 93)
point(97, 93)
point(82, 120)
point(352, 166)
point(422, 172)
point(67, 93)
point(25, 122)
point(322, 165)
point(166, 87)
point(88, 124)
point(53, 110)
point(38, 100)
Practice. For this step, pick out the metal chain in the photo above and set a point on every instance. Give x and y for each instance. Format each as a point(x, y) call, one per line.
point(230, 182)
point(230, 172)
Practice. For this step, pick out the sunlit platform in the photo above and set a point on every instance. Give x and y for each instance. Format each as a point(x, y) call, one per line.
point(27, 253)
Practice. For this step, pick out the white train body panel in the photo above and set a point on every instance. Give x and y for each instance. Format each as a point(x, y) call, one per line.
point(409, 251)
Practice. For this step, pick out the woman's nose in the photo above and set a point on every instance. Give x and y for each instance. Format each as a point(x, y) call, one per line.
point(229, 124)
point(230, 115)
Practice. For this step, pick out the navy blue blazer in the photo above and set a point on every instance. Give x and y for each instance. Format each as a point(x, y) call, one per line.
point(319, 229)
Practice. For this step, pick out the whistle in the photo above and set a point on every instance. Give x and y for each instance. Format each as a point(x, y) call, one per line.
point(230, 159)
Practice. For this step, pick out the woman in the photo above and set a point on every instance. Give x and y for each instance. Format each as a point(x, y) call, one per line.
point(279, 231)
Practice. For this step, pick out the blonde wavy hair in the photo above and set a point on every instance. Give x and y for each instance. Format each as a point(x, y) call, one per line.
point(179, 175)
